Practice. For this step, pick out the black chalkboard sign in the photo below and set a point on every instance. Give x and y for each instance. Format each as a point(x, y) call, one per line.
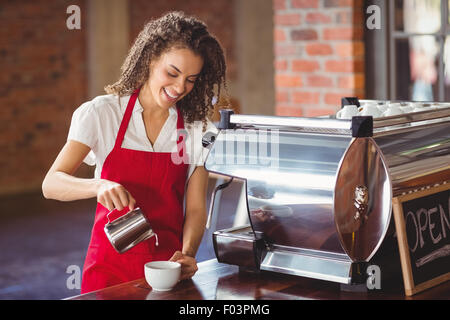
point(422, 221)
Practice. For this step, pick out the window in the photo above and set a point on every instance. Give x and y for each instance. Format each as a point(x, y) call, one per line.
point(414, 46)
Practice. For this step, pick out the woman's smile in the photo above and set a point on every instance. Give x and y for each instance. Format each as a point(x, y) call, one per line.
point(172, 97)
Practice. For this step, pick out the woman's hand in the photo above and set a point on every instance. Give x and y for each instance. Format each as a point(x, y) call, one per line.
point(113, 195)
point(188, 264)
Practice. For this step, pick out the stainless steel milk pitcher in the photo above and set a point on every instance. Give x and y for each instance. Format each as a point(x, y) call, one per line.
point(128, 230)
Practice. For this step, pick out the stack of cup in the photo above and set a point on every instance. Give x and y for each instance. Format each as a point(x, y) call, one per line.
point(388, 109)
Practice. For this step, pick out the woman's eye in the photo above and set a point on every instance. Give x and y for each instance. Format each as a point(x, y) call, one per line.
point(175, 75)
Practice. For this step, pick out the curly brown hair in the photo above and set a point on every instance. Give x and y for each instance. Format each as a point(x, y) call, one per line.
point(176, 30)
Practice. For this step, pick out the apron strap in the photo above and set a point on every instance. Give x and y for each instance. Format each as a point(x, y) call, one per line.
point(181, 132)
point(181, 136)
point(126, 119)
point(180, 121)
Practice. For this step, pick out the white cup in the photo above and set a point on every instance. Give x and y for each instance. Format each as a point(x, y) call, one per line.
point(420, 109)
point(369, 110)
point(382, 107)
point(441, 105)
point(347, 112)
point(393, 110)
point(162, 275)
point(394, 105)
point(406, 109)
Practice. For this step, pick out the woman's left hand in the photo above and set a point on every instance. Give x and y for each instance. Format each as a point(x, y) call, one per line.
point(188, 264)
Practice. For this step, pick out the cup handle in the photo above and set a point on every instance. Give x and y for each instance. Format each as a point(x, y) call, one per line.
point(338, 114)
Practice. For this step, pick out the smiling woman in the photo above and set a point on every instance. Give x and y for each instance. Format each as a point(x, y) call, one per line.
point(176, 31)
point(169, 79)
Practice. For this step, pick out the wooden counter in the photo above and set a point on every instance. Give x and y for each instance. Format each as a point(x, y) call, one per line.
point(216, 281)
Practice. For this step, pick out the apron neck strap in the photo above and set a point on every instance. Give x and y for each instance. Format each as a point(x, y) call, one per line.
point(126, 118)
point(180, 121)
point(181, 132)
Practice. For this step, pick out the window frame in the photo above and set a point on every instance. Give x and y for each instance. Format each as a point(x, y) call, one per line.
point(439, 35)
point(381, 77)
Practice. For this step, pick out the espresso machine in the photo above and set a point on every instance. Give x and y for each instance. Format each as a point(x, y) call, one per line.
point(319, 190)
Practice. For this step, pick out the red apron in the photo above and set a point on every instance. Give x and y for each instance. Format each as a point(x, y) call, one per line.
point(158, 185)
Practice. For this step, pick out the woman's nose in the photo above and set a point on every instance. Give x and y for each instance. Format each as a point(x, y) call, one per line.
point(180, 86)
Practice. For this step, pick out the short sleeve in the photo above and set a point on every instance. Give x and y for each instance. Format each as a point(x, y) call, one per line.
point(213, 129)
point(83, 128)
point(201, 153)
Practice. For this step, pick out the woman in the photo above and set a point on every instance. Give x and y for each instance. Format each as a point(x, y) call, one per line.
point(135, 137)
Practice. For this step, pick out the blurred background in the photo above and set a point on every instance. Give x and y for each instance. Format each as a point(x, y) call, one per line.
point(284, 57)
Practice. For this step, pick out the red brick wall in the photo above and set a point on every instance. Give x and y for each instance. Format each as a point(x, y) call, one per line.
point(42, 80)
point(217, 14)
point(44, 76)
point(319, 55)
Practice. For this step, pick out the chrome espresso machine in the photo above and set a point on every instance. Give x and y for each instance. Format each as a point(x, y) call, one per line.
point(319, 190)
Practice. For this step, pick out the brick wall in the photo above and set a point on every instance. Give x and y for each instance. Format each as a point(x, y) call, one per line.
point(319, 55)
point(42, 80)
point(44, 77)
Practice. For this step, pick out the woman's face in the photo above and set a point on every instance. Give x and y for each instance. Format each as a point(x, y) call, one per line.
point(172, 76)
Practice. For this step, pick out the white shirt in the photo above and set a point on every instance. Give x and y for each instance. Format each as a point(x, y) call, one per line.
point(96, 124)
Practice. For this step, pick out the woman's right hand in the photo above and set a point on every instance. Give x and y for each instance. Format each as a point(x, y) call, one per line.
point(113, 195)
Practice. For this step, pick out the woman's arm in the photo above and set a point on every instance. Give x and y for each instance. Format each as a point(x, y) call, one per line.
point(60, 184)
point(194, 222)
point(195, 218)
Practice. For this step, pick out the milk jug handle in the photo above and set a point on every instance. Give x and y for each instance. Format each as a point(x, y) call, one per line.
point(107, 216)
